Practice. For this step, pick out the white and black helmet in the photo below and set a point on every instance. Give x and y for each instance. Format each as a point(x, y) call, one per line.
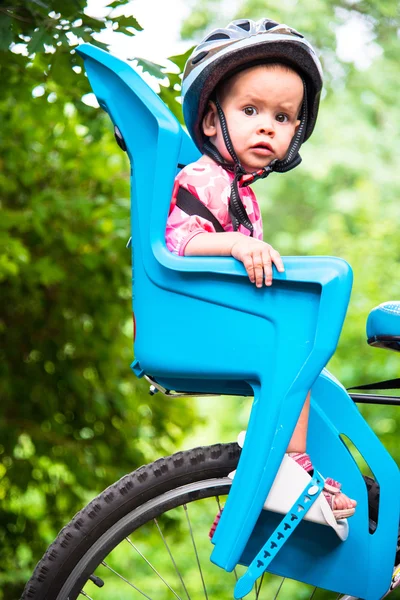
point(241, 44)
point(224, 52)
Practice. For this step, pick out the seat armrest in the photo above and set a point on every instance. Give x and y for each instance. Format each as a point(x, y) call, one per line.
point(306, 269)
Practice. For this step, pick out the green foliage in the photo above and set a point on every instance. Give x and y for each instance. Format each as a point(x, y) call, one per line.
point(169, 81)
point(73, 416)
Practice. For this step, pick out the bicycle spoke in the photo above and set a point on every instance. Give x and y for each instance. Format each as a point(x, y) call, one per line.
point(172, 558)
point(279, 588)
point(152, 567)
point(313, 593)
point(82, 593)
point(124, 579)
point(195, 550)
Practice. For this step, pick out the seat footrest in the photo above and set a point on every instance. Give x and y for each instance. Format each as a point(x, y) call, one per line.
point(281, 534)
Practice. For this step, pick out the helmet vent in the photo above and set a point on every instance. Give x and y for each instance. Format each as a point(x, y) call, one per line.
point(199, 57)
point(296, 33)
point(244, 25)
point(270, 25)
point(217, 36)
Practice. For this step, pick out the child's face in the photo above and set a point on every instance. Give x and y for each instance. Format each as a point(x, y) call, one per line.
point(261, 105)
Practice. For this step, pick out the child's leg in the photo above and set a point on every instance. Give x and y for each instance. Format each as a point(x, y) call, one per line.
point(296, 449)
point(297, 445)
point(299, 438)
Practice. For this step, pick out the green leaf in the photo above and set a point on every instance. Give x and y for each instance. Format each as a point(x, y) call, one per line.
point(38, 40)
point(69, 9)
point(81, 31)
point(94, 24)
point(168, 96)
point(128, 22)
point(180, 59)
point(126, 31)
point(174, 78)
point(115, 3)
point(61, 69)
point(6, 36)
point(152, 68)
point(101, 45)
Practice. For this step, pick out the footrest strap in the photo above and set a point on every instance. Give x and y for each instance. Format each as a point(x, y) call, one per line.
point(279, 536)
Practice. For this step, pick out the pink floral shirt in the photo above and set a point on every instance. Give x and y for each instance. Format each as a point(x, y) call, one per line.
point(211, 184)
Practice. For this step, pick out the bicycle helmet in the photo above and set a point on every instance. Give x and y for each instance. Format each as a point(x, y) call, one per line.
point(225, 52)
point(240, 45)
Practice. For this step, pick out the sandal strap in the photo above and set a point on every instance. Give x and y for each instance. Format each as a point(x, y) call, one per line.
point(214, 525)
point(303, 460)
point(329, 498)
point(332, 486)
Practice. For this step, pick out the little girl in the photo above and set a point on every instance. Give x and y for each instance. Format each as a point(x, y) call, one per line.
point(250, 98)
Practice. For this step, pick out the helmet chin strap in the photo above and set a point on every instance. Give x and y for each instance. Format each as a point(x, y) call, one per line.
point(291, 160)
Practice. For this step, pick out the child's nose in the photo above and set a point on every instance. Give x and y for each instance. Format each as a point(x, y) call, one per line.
point(267, 127)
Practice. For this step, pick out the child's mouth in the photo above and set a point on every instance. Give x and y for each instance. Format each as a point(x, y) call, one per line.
point(263, 149)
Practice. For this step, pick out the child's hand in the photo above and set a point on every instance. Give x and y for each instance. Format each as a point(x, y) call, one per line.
point(257, 257)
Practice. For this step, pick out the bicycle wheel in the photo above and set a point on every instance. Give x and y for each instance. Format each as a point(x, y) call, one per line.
point(146, 537)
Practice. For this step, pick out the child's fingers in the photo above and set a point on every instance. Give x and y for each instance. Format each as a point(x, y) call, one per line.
point(247, 261)
point(267, 266)
point(276, 259)
point(258, 262)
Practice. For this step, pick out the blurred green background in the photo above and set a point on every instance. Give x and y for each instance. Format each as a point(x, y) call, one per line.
point(73, 418)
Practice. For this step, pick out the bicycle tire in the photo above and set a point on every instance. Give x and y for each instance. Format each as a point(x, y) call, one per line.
point(124, 507)
point(133, 490)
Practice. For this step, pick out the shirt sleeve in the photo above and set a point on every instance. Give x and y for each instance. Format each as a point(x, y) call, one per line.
point(209, 188)
point(181, 228)
point(211, 185)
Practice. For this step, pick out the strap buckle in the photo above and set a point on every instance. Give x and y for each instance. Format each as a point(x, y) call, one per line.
point(249, 178)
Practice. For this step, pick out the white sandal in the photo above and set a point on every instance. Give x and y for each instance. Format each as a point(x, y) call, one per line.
point(288, 485)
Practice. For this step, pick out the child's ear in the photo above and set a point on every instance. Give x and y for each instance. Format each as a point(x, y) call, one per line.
point(210, 120)
point(297, 125)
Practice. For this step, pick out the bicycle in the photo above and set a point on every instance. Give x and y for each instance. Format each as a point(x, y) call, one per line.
point(141, 508)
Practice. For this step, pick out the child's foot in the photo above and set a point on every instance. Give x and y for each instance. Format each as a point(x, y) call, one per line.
point(341, 505)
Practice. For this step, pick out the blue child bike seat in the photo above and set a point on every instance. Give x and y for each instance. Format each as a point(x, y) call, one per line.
point(275, 344)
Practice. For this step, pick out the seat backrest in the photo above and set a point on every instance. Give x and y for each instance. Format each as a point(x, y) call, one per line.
point(154, 139)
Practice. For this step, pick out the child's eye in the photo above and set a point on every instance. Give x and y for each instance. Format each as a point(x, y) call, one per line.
point(282, 118)
point(249, 111)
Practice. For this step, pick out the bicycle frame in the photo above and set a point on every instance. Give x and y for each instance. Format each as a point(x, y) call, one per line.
point(377, 399)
